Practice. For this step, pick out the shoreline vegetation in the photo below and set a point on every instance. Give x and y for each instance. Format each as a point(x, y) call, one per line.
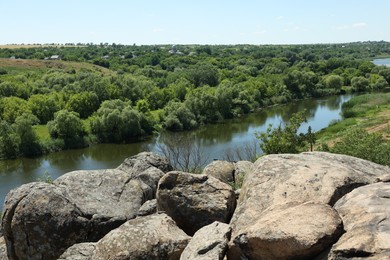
point(54, 98)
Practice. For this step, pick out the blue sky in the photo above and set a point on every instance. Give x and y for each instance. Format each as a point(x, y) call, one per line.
point(194, 21)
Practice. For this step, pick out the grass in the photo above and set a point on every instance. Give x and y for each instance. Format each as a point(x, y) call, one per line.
point(42, 132)
point(370, 112)
point(18, 65)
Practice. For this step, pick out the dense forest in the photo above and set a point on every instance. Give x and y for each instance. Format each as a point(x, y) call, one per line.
point(69, 96)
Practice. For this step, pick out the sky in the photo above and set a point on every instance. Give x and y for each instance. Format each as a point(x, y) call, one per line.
point(147, 22)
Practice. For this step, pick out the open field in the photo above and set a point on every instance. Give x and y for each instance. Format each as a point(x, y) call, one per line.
point(25, 46)
point(22, 64)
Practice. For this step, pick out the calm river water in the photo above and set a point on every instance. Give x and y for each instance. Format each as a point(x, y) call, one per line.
point(215, 140)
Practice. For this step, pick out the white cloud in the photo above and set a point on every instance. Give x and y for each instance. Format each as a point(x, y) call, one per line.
point(343, 27)
point(359, 25)
point(260, 32)
point(280, 17)
point(158, 30)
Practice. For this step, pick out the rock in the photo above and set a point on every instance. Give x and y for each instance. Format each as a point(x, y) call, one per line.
point(82, 251)
point(222, 170)
point(3, 249)
point(110, 197)
point(142, 161)
point(208, 243)
point(151, 237)
point(289, 231)
point(241, 169)
point(317, 177)
point(366, 216)
point(195, 200)
point(148, 208)
point(40, 222)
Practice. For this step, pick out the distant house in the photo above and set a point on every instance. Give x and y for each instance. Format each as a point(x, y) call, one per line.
point(55, 57)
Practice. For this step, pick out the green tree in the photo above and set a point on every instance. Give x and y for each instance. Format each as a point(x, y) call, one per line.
point(116, 121)
point(9, 141)
point(359, 84)
point(12, 107)
point(43, 107)
point(334, 82)
point(29, 143)
point(284, 140)
point(84, 103)
point(68, 127)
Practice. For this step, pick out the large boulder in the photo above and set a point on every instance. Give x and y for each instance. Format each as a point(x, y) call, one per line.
point(195, 200)
point(289, 231)
point(317, 177)
point(148, 208)
point(208, 243)
point(82, 251)
point(366, 216)
point(41, 220)
point(151, 237)
point(222, 170)
point(3, 249)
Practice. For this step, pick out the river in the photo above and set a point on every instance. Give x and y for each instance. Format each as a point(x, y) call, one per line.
point(379, 62)
point(215, 141)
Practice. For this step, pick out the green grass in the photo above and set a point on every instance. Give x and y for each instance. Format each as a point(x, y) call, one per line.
point(370, 112)
point(42, 132)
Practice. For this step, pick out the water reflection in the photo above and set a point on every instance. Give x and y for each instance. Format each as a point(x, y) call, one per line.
point(215, 139)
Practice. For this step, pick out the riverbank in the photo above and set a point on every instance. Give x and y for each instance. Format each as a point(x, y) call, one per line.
point(364, 131)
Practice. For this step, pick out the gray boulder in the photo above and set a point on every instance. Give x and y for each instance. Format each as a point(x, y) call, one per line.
point(82, 251)
point(289, 231)
point(222, 170)
point(366, 216)
point(241, 168)
point(148, 208)
point(194, 200)
point(208, 243)
point(41, 220)
point(3, 249)
point(151, 237)
point(317, 177)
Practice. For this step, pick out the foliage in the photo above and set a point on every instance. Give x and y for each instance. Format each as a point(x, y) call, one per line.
point(116, 121)
point(285, 139)
point(359, 143)
point(68, 127)
point(198, 85)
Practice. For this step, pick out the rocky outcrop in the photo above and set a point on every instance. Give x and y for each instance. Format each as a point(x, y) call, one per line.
point(208, 243)
point(240, 169)
point(41, 220)
point(289, 231)
point(151, 237)
point(82, 251)
point(366, 216)
point(228, 172)
point(195, 201)
point(305, 206)
point(222, 170)
point(3, 249)
point(321, 178)
point(148, 208)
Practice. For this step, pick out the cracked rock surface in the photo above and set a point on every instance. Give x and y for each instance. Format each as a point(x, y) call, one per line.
point(41, 220)
point(366, 216)
point(195, 200)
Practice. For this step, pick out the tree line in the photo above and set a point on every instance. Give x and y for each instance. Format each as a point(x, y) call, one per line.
point(148, 88)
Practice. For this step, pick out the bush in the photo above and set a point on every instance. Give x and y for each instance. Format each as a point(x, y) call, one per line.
point(359, 143)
